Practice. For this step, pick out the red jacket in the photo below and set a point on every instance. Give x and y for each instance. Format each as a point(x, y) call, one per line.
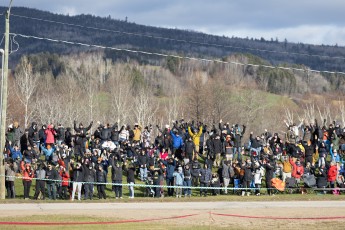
point(28, 173)
point(64, 177)
point(297, 171)
point(50, 133)
point(332, 173)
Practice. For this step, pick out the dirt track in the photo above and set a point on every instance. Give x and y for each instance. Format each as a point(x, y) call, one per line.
point(254, 215)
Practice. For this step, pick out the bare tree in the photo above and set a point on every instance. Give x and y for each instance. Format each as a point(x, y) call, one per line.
point(26, 83)
point(145, 107)
point(120, 93)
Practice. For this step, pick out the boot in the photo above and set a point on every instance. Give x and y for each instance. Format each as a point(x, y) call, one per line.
point(248, 193)
point(243, 193)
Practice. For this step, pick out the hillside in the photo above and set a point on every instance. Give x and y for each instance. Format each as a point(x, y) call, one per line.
point(117, 33)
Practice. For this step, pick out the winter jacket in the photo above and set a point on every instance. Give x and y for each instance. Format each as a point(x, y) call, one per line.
point(227, 171)
point(10, 173)
point(18, 133)
point(143, 160)
point(50, 133)
point(16, 154)
point(177, 140)
point(116, 173)
point(248, 172)
point(217, 146)
point(206, 176)
point(51, 176)
point(137, 134)
point(48, 152)
point(130, 171)
point(65, 178)
point(195, 136)
point(60, 134)
point(195, 168)
point(40, 174)
point(101, 176)
point(33, 133)
point(297, 171)
point(28, 174)
point(332, 173)
point(189, 147)
point(105, 134)
point(270, 168)
point(78, 174)
point(179, 177)
point(170, 168)
point(321, 178)
point(89, 174)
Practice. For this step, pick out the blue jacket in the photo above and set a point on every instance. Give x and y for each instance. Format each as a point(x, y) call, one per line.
point(47, 152)
point(16, 154)
point(179, 177)
point(170, 168)
point(177, 140)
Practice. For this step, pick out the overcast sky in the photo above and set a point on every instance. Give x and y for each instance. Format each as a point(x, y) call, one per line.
point(306, 21)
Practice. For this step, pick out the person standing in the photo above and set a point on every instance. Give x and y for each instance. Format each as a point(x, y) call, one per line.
point(40, 181)
point(51, 176)
point(78, 178)
point(28, 174)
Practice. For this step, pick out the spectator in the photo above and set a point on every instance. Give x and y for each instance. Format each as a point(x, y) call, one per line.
point(65, 182)
point(130, 171)
point(40, 181)
point(18, 133)
point(195, 135)
point(89, 179)
point(187, 181)
point(101, 179)
point(50, 134)
point(205, 179)
point(170, 169)
point(116, 176)
point(28, 174)
point(10, 178)
point(178, 178)
point(78, 178)
point(51, 176)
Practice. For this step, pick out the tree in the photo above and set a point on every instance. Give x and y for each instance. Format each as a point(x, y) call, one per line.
point(26, 83)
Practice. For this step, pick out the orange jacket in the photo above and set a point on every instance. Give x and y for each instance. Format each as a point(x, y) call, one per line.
point(28, 173)
point(297, 171)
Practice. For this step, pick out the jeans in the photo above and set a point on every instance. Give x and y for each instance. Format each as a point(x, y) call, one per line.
point(131, 189)
point(237, 151)
point(88, 191)
point(187, 183)
point(40, 187)
point(51, 187)
point(170, 182)
point(143, 174)
point(118, 188)
point(101, 191)
point(203, 190)
point(10, 189)
point(226, 182)
point(27, 185)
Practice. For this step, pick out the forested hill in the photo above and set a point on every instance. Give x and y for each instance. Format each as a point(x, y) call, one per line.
point(119, 33)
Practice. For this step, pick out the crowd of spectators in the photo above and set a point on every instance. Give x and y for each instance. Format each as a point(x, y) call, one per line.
point(66, 163)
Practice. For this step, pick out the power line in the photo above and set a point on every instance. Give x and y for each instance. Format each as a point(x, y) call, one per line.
point(170, 55)
point(181, 40)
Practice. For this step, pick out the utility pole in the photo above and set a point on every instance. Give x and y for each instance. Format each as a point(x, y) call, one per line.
point(4, 103)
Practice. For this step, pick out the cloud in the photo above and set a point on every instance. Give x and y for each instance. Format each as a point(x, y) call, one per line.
point(306, 21)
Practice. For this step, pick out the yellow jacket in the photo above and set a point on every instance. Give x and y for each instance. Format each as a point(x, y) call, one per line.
point(195, 137)
point(287, 167)
point(137, 134)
